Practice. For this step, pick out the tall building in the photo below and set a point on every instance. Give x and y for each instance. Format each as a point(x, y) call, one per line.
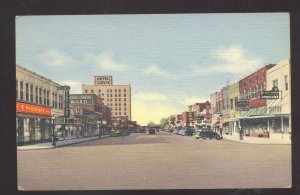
point(116, 97)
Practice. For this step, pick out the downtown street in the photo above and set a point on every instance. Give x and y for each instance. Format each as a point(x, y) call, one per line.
point(160, 161)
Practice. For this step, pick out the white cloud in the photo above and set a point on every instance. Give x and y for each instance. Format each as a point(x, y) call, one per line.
point(105, 61)
point(193, 99)
point(55, 58)
point(153, 69)
point(146, 96)
point(234, 60)
point(76, 86)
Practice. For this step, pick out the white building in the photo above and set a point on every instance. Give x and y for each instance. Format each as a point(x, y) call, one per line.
point(280, 109)
point(38, 99)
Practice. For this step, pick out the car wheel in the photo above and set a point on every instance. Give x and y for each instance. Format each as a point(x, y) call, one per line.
point(218, 137)
point(204, 137)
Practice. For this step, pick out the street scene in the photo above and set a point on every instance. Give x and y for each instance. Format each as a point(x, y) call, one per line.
point(160, 161)
point(174, 101)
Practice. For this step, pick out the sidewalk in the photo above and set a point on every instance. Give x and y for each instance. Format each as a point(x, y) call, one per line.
point(256, 140)
point(60, 143)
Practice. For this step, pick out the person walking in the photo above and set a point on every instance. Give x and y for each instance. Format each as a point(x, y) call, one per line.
point(241, 133)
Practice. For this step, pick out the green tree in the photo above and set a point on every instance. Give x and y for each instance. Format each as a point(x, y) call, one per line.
point(164, 122)
point(151, 123)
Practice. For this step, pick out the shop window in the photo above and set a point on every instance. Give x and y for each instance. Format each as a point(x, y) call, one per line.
point(31, 92)
point(27, 91)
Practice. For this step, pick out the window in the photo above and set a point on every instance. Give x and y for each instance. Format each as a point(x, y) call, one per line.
point(119, 90)
point(116, 113)
point(116, 104)
point(110, 95)
point(40, 95)
point(125, 99)
point(27, 91)
point(119, 113)
point(31, 93)
point(86, 91)
point(124, 94)
point(48, 94)
point(99, 91)
point(55, 100)
point(116, 99)
point(44, 96)
point(17, 90)
point(125, 108)
point(107, 95)
point(119, 108)
point(125, 113)
point(115, 90)
point(107, 90)
point(253, 93)
point(92, 90)
point(275, 83)
point(110, 90)
point(260, 89)
point(116, 109)
point(110, 104)
point(124, 90)
point(102, 94)
point(119, 104)
point(119, 95)
point(231, 103)
point(107, 99)
point(286, 82)
point(52, 99)
point(119, 99)
point(124, 104)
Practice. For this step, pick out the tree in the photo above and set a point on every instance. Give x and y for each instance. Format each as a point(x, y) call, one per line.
point(164, 122)
point(151, 123)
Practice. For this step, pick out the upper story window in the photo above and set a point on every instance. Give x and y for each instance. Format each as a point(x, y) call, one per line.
point(92, 91)
point(286, 82)
point(45, 102)
point(31, 92)
point(124, 90)
point(253, 92)
point(27, 91)
point(115, 90)
point(17, 89)
point(21, 90)
point(36, 95)
point(40, 95)
point(48, 101)
point(275, 83)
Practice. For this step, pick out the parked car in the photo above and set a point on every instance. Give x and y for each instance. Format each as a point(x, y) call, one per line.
point(209, 134)
point(176, 131)
point(151, 131)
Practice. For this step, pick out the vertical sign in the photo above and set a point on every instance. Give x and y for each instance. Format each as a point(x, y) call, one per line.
point(67, 100)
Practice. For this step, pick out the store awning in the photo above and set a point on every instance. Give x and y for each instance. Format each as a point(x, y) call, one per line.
point(254, 117)
point(22, 115)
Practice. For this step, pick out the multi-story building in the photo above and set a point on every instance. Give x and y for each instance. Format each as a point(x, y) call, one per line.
point(38, 99)
point(233, 97)
point(250, 89)
point(178, 120)
point(116, 97)
point(279, 110)
point(187, 119)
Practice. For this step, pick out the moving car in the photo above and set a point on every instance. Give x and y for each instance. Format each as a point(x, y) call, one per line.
point(209, 134)
point(151, 131)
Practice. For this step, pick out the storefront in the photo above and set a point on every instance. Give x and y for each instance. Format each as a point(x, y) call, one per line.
point(33, 123)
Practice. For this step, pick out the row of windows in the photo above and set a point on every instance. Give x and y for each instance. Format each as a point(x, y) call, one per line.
point(116, 113)
point(37, 95)
point(120, 109)
point(111, 104)
point(108, 90)
point(286, 84)
point(111, 95)
point(116, 99)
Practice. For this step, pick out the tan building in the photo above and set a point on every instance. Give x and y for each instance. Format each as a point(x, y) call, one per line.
point(116, 97)
point(38, 99)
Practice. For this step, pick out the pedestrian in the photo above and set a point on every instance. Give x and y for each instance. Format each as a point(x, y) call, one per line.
point(221, 130)
point(241, 133)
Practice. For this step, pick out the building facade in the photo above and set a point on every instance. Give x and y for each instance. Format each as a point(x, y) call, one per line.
point(116, 97)
point(187, 119)
point(279, 109)
point(38, 99)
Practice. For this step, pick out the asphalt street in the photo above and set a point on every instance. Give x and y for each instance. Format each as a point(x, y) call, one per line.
point(161, 161)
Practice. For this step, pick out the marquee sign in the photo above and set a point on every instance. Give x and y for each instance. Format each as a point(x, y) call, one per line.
point(81, 99)
point(33, 109)
point(273, 94)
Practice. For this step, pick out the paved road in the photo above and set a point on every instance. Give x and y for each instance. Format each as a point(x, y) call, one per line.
point(162, 161)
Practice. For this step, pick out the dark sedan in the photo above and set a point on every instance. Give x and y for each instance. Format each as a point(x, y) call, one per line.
point(151, 131)
point(209, 134)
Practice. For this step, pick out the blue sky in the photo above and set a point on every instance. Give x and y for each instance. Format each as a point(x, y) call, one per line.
point(170, 60)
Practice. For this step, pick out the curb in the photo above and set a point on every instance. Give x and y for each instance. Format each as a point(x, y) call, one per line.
point(57, 146)
point(245, 142)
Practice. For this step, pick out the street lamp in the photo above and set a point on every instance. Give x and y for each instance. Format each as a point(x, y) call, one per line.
point(53, 135)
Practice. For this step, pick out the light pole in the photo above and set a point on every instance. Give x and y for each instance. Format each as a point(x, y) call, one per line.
point(53, 135)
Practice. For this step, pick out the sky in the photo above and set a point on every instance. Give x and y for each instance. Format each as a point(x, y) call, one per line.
point(170, 60)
